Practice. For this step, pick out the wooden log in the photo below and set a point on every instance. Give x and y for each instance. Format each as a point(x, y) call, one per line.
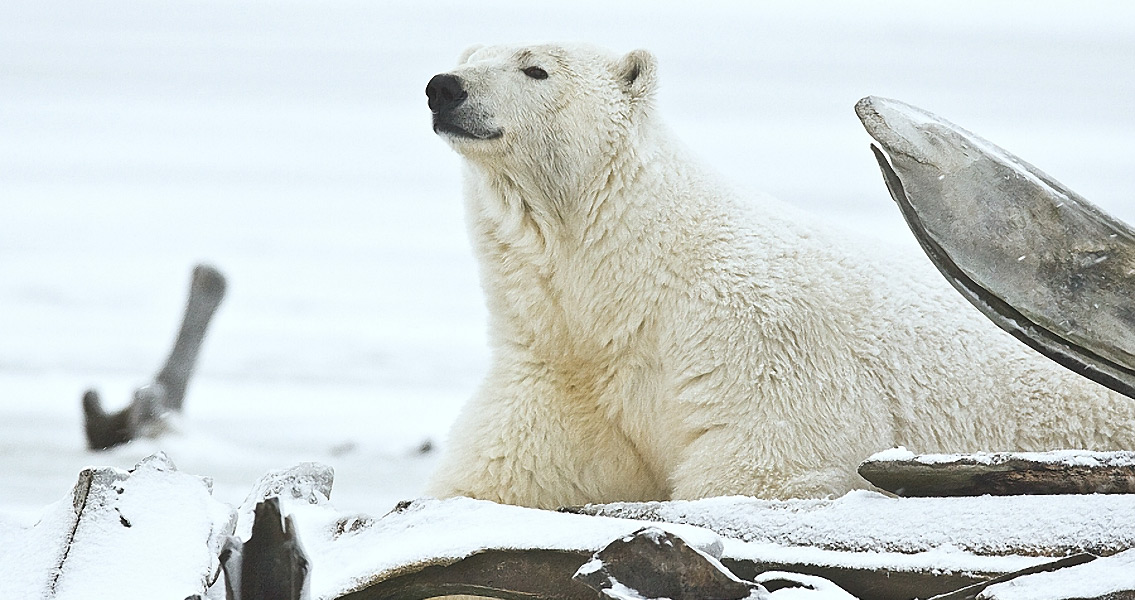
point(1002, 474)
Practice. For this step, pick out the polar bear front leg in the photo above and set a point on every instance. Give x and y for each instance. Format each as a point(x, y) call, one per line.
point(524, 441)
point(773, 462)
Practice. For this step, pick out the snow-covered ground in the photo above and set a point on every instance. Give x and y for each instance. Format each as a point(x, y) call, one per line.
point(288, 143)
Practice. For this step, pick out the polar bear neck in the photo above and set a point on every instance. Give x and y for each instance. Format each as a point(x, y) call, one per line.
point(548, 198)
point(558, 279)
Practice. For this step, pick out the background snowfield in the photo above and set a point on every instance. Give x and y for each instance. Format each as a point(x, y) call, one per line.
point(288, 143)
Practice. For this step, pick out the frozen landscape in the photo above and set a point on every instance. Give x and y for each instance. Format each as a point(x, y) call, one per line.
point(289, 145)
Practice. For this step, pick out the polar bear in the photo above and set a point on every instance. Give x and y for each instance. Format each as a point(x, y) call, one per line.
point(658, 335)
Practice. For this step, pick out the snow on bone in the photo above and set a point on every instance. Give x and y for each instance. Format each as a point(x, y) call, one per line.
point(151, 532)
point(1111, 577)
point(973, 528)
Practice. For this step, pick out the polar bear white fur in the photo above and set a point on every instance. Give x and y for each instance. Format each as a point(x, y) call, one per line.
point(657, 335)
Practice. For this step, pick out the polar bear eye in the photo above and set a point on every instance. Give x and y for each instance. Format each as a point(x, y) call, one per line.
point(536, 73)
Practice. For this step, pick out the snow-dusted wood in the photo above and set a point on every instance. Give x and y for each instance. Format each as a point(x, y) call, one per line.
point(1002, 474)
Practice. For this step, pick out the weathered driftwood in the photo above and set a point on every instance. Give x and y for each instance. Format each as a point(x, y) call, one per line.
point(1036, 258)
point(1003, 474)
point(272, 564)
point(146, 415)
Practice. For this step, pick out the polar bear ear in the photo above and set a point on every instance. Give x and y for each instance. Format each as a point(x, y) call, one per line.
point(638, 73)
point(469, 52)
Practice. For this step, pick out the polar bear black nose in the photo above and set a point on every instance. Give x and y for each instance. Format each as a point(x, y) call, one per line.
point(445, 92)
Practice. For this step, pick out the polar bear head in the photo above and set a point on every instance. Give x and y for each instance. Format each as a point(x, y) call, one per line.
point(553, 112)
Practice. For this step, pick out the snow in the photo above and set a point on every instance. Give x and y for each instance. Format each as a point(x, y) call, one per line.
point(591, 566)
point(156, 530)
point(1071, 458)
point(899, 453)
point(430, 531)
point(1095, 579)
point(944, 559)
point(37, 551)
point(152, 532)
point(619, 591)
point(865, 522)
point(288, 143)
point(151, 541)
point(623, 580)
point(810, 587)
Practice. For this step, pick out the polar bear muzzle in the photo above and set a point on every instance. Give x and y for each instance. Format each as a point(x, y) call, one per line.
point(451, 114)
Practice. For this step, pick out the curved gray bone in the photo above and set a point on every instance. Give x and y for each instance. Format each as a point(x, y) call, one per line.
point(206, 290)
point(1036, 258)
point(146, 415)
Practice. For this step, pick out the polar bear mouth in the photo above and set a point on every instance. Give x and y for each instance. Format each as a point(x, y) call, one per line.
point(444, 127)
